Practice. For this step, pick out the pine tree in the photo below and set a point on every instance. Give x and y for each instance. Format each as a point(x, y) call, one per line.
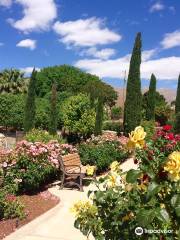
point(151, 99)
point(177, 105)
point(99, 117)
point(133, 103)
point(53, 111)
point(30, 107)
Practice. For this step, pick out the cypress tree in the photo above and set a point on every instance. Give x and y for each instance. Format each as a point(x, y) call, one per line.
point(151, 99)
point(177, 123)
point(30, 107)
point(177, 105)
point(99, 117)
point(53, 111)
point(133, 103)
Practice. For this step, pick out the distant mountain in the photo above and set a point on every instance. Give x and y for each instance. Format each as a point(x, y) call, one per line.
point(169, 94)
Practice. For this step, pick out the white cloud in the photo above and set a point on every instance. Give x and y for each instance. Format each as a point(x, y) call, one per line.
point(148, 54)
point(38, 15)
point(1, 44)
point(164, 68)
point(105, 53)
point(27, 43)
point(85, 32)
point(5, 3)
point(171, 40)
point(28, 70)
point(158, 6)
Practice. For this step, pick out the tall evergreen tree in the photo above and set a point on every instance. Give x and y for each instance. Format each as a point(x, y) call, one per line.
point(133, 103)
point(53, 111)
point(177, 105)
point(30, 107)
point(151, 99)
point(99, 116)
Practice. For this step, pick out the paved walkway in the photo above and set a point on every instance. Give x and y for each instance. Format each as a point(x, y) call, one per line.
point(57, 223)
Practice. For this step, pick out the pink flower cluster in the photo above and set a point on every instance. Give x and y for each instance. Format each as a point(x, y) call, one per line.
point(49, 151)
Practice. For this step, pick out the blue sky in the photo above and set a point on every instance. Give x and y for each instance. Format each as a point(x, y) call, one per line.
point(94, 35)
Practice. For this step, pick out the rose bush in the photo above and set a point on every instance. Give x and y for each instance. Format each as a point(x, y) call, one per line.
point(30, 165)
point(148, 197)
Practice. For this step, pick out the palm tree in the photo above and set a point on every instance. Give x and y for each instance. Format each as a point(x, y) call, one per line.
point(12, 81)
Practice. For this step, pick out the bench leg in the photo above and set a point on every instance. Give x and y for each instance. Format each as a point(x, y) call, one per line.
point(62, 181)
point(81, 184)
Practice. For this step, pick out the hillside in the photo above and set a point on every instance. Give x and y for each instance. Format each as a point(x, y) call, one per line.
point(169, 94)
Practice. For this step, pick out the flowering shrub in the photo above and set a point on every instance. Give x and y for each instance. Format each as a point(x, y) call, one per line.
point(10, 207)
point(148, 197)
point(30, 165)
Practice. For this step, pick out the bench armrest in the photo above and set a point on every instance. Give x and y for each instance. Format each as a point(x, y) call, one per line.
point(77, 166)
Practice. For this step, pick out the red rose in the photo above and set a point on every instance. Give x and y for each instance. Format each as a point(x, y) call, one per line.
point(170, 136)
point(167, 127)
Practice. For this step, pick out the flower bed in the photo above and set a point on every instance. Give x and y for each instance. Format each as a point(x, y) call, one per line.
point(26, 169)
point(148, 198)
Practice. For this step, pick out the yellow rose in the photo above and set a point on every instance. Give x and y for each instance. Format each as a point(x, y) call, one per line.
point(136, 138)
point(81, 207)
point(172, 166)
point(128, 217)
point(115, 166)
point(90, 170)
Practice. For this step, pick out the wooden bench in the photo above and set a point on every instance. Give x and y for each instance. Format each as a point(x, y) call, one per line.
point(71, 167)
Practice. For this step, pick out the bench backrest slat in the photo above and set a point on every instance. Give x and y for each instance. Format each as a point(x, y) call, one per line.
point(71, 159)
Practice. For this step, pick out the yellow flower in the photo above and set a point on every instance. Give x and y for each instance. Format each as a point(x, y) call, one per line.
point(81, 207)
point(114, 180)
point(162, 205)
point(90, 170)
point(128, 217)
point(172, 166)
point(136, 138)
point(115, 166)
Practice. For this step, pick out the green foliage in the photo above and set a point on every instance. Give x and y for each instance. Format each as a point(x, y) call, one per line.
point(12, 110)
point(96, 89)
point(73, 80)
point(177, 123)
point(78, 116)
point(147, 197)
point(113, 126)
point(116, 113)
point(30, 108)
point(133, 103)
point(99, 117)
point(39, 135)
point(53, 112)
point(151, 99)
point(102, 154)
point(42, 113)
point(31, 175)
point(149, 127)
point(10, 207)
point(162, 114)
point(177, 104)
point(12, 81)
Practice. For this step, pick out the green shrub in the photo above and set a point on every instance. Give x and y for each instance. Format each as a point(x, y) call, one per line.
point(78, 116)
point(39, 135)
point(101, 155)
point(116, 113)
point(10, 207)
point(12, 110)
point(162, 114)
point(113, 126)
point(149, 127)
